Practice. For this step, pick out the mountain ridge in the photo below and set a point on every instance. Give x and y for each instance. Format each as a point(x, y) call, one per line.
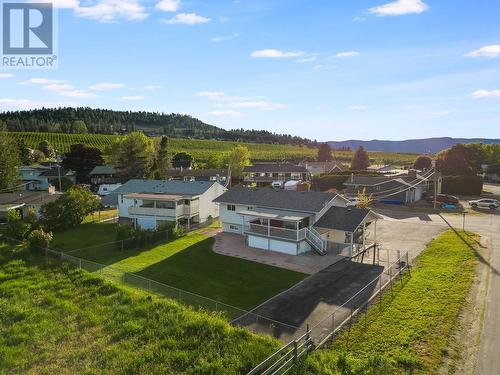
point(414, 146)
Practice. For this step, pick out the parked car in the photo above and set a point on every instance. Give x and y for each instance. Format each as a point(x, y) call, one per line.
point(485, 203)
point(444, 198)
point(353, 201)
point(448, 206)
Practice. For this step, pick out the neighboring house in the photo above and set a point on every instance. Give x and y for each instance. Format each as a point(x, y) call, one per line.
point(294, 222)
point(220, 176)
point(315, 167)
point(41, 178)
point(23, 201)
point(491, 172)
point(103, 174)
point(149, 203)
point(403, 189)
point(266, 174)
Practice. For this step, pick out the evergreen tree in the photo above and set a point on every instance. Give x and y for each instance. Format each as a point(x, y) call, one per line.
point(134, 158)
point(360, 160)
point(82, 159)
point(182, 160)
point(162, 162)
point(324, 152)
point(9, 164)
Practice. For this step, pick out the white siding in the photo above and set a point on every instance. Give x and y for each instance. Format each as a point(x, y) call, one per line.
point(207, 207)
point(283, 247)
point(231, 217)
point(258, 242)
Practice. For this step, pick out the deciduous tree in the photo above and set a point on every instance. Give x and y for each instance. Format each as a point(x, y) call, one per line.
point(9, 164)
point(182, 160)
point(238, 158)
point(69, 209)
point(82, 159)
point(422, 162)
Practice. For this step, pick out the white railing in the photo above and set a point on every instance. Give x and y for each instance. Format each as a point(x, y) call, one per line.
point(270, 231)
point(315, 240)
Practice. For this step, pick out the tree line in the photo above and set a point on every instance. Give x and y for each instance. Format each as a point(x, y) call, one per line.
point(102, 121)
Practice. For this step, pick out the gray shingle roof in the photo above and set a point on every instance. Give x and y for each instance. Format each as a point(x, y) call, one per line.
point(102, 169)
point(342, 218)
point(196, 172)
point(371, 181)
point(278, 168)
point(306, 201)
point(163, 186)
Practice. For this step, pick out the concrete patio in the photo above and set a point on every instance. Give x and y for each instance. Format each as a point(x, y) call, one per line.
point(234, 245)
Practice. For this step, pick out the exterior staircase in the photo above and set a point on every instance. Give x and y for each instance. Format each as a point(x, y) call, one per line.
point(317, 242)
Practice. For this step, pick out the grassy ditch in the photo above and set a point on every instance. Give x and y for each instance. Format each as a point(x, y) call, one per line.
point(411, 330)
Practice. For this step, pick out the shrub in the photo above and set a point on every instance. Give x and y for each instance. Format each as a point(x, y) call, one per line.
point(463, 185)
point(38, 240)
point(16, 228)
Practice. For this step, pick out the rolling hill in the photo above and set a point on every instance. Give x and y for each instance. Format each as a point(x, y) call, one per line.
point(415, 146)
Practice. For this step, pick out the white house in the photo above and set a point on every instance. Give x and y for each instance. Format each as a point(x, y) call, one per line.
point(294, 222)
point(149, 203)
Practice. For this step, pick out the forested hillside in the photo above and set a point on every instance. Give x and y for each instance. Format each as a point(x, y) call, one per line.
point(103, 121)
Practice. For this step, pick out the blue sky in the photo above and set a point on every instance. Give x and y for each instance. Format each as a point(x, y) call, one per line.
point(322, 69)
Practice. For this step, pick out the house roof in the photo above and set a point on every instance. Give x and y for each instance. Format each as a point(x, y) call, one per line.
point(346, 219)
point(326, 166)
point(195, 172)
point(372, 181)
point(28, 197)
point(164, 186)
point(158, 197)
point(272, 214)
point(275, 167)
point(54, 172)
point(102, 169)
point(305, 201)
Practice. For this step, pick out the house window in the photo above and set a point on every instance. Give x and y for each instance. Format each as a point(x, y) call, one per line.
point(165, 205)
point(249, 208)
point(234, 227)
point(231, 207)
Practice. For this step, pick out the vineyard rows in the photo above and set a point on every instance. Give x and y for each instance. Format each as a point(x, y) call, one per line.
point(202, 149)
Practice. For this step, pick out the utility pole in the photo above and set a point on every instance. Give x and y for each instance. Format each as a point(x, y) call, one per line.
point(463, 221)
point(435, 183)
point(59, 176)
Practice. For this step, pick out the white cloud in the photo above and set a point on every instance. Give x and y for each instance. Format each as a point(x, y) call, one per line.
point(358, 107)
point(224, 38)
point(6, 75)
point(399, 8)
point(221, 100)
point(259, 105)
point(83, 94)
point(276, 54)
point(104, 86)
point(41, 81)
point(306, 60)
point(480, 94)
point(112, 10)
point(168, 5)
point(226, 113)
point(14, 104)
point(486, 51)
point(347, 54)
point(186, 19)
point(58, 87)
point(136, 97)
point(65, 4)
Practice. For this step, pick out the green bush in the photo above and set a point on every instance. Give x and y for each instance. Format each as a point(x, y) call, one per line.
point(16, 228)
point(462, 185)
point(38, 240)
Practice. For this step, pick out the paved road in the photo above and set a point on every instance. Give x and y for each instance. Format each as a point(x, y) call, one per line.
point(487, 224)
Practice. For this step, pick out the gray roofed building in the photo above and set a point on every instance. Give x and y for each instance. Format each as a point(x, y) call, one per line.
point(157, 187)
point(102, 170)
point(346, 219)
point(165, 186)
point(275, 167)
point(306, 201)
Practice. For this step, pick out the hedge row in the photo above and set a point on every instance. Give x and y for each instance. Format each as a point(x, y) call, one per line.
point(462, 185)
point(336, 181)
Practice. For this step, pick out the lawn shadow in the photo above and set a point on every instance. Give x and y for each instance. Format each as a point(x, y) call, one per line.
point(472, 247)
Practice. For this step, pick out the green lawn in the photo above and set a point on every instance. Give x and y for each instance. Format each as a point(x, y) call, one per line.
point(412, 331)
point(187, 263)
point(59, 320)
point(87, 234)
